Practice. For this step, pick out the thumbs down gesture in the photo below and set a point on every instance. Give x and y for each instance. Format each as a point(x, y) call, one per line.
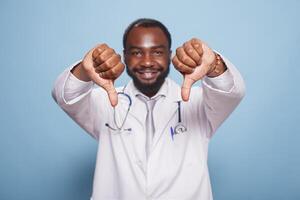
point(194, 59)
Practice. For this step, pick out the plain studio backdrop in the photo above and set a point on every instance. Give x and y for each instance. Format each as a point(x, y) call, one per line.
point(255, 155)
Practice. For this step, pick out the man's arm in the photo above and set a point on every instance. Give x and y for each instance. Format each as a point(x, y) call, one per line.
point(223, 86)
point(76, 99)
point(73, 90)
point(221, 95)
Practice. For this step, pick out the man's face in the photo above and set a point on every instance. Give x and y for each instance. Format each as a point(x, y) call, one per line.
point(147, 57)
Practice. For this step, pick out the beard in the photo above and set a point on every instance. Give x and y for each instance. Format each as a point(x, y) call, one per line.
point(149, 89)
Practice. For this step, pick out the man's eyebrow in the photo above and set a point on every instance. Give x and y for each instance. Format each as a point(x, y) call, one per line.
point(159, 46)
point(152, 47)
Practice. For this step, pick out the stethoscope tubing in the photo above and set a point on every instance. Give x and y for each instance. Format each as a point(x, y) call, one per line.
point(120, 127)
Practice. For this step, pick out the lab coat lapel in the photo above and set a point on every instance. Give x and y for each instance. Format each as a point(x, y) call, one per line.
point(135, 109)
point(137, 113)
point(167, 112)
point(169, 108)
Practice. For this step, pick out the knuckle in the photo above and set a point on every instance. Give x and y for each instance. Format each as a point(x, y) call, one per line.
point(101, 48)
point(106, 64)
point(113, 71)
point(194, 39)
point(187, 45)
point(186, 59)
point(116, 59)
point(180, 66)
point(104, 45)
point(178, 50)
point(102, 57)
point(98, 60)
point(196, 42)
point(122, 66)
point(95, 53)
point(189, 50)
point(110, 51)
point(181, 56)
point(175, 61)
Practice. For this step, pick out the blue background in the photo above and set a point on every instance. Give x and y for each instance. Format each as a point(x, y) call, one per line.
point(45, 155)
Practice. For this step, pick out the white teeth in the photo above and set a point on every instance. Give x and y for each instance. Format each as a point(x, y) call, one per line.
point(148, 74)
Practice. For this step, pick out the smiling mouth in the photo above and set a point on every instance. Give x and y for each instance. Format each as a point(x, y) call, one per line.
point(147, 74)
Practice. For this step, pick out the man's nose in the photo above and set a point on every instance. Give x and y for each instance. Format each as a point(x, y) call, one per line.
point(147, 61)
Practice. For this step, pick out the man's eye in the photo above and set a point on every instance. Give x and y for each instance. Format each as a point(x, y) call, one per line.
point(158, 53)
point(136, 53)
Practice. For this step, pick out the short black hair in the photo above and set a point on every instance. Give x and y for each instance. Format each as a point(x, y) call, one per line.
point(147, 22)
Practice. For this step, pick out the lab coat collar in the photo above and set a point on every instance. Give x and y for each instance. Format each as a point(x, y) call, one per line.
point(161, 92)
point(172, 94)
point(166, 90)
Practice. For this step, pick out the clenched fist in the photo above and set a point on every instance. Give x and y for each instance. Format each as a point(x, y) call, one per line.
point(194, 59)
point(102, 65)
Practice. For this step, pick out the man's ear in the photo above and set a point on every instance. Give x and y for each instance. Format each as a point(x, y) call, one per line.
point(170, 54)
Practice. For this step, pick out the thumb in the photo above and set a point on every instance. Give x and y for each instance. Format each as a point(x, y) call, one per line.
point(186, 87)
point(108, 86)
point(111, 91)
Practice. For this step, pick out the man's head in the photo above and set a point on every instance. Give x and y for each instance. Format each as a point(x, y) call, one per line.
point(147, 53)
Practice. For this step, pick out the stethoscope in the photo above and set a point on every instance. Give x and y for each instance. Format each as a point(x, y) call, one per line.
point(179, 127)
point(120, 128)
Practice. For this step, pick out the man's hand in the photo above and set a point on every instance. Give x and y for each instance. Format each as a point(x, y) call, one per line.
point(194, 59)
point(103, 65)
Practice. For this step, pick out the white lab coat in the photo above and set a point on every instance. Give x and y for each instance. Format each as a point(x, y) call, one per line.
point(177, 167)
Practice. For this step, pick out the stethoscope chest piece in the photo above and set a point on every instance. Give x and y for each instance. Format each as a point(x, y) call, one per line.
point(179, 128)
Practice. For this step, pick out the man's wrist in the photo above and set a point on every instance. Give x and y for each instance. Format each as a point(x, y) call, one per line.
point(218, 68)
point(80, 73)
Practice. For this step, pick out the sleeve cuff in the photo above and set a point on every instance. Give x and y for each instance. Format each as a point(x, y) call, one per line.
point(75, 88)
point(224, 82)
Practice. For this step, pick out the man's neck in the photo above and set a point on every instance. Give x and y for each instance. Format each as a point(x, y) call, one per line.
point(149, 90)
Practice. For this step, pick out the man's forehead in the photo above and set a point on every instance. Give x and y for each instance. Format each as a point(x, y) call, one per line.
point(148, 41)
point(146, 37)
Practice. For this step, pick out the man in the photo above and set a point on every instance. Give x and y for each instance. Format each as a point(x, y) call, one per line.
point(159, 151)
